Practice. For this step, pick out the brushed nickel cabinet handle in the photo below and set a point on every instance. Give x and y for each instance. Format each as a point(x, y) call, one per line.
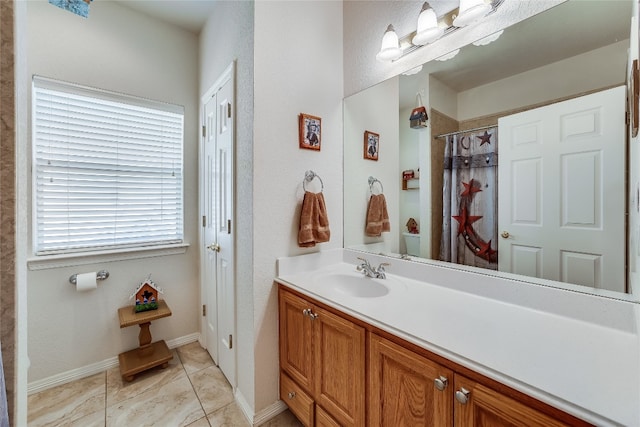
point(462, 395)
point(441, 383)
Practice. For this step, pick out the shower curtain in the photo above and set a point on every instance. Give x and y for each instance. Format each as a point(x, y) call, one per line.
point(470, 199)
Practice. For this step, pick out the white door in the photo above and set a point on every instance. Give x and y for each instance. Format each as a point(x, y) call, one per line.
point(560, 210)
point(218, 233)
point(209, 236)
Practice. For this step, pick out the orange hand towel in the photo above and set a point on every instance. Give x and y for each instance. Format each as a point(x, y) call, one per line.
point(377, 216)
point(314, 222)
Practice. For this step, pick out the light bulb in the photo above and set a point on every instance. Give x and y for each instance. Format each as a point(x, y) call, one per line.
point(428, 29)
point(470, 11)
point(390, 49)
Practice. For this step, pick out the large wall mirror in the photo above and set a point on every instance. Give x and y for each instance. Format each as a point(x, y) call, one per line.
point(522, 169)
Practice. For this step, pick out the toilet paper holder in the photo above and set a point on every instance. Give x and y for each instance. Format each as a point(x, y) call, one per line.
point(100, 275)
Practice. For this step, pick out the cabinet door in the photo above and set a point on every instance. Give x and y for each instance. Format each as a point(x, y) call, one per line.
point(324, 420)
point(296, 353)
point(339, 367)
point(486, 407)
point(402, 389)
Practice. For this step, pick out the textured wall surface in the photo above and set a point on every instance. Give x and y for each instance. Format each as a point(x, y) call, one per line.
point(302, 76)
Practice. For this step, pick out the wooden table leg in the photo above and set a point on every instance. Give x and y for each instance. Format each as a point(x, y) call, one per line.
point(144, 338)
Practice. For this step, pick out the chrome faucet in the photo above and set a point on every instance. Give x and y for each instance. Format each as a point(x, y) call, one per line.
point(369, 271)
point(366, 268)
point(380, 271)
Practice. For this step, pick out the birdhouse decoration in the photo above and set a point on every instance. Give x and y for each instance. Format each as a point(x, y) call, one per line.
point(412, 226)
point(146, 296)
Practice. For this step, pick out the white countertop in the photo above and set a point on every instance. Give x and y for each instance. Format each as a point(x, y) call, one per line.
point(575, 351)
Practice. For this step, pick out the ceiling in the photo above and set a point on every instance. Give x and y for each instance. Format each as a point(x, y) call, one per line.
point(569, 29)
point(188, 14)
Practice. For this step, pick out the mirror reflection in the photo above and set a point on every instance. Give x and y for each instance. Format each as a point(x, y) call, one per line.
point(522, 167)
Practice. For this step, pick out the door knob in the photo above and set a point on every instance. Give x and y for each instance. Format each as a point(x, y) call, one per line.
point(505, 234)
point(214, 247)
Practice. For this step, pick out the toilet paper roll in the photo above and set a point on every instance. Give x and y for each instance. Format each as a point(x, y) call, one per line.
point(86, 282)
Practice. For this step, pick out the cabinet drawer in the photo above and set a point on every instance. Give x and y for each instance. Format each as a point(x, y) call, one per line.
point(299, 402)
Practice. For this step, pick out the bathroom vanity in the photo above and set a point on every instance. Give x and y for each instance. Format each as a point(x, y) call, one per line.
point(431, 345)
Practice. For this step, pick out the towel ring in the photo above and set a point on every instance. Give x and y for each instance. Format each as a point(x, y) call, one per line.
point(309, 176)
point(372, 181)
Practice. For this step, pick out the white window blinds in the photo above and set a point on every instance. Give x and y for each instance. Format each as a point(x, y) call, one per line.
point(107, 170)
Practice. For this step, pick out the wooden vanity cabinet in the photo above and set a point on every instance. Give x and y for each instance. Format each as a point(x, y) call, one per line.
point(402, 391)
point(322, 378)
point(324, 355)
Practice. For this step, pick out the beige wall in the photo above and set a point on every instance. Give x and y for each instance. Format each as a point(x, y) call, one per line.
point(297, 69)
point(119, 50)
point(364, 111)
point(600, 68)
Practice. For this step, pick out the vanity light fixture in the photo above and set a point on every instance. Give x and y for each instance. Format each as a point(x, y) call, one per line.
point(428, 30)
point(390, 49)
point(431, 27)
point(470, 11)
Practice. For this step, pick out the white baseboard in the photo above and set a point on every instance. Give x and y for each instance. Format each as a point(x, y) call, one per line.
point(180, 341)
point(269, 412)
point(72, 375)
point(246, 409)
point(261, 417)
point(95, 368)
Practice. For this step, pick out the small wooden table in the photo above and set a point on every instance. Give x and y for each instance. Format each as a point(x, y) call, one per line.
point(148, 354)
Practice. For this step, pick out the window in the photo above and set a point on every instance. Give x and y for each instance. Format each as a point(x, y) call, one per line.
point(107, 170)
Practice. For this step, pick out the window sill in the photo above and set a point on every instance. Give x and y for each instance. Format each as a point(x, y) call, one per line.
point(70, 260)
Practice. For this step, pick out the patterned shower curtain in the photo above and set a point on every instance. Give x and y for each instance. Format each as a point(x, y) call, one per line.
point(470, 199)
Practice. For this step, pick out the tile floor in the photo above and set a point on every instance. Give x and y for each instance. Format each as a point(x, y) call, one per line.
point(191, 391)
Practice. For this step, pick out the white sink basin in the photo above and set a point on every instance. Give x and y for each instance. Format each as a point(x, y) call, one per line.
point(356, 285)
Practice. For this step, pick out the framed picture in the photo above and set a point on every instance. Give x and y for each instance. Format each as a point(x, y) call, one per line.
point(371, 145)
point(309, 131)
